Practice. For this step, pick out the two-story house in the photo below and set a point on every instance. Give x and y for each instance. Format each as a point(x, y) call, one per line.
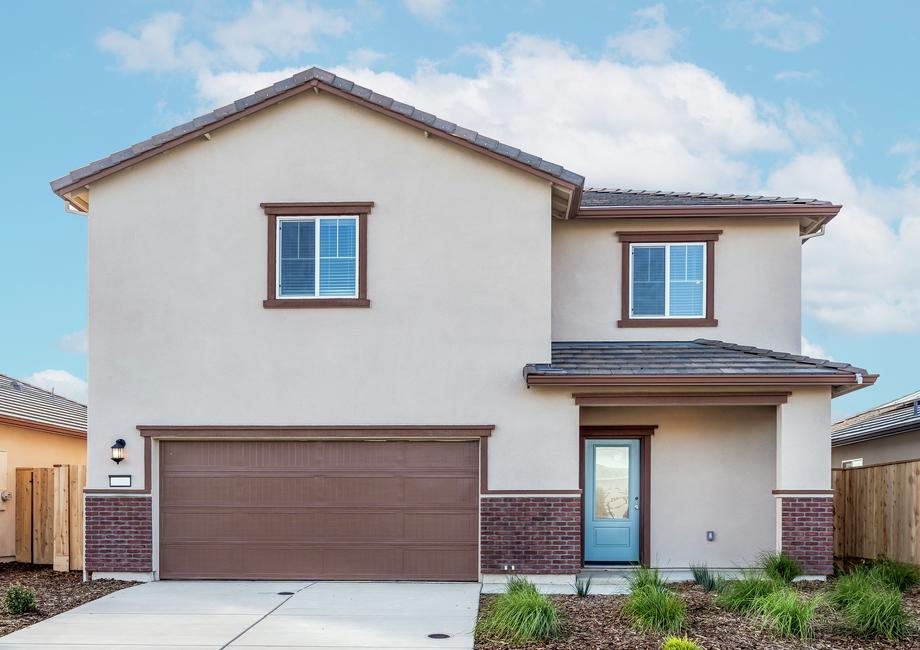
point(340, 337)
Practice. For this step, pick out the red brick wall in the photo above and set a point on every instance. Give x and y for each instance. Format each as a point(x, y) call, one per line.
point(535, 534)
point(808, 532)
point(118, 533)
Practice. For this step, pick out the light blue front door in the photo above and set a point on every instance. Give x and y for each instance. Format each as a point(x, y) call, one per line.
point(612, 500)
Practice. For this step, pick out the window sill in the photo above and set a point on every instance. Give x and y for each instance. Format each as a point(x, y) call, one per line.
point(314, 303)
point(668, 322)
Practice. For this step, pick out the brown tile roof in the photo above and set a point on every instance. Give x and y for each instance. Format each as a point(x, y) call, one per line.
point(38, 408)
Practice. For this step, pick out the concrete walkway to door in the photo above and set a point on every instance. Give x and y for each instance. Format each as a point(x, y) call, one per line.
point(211, 615)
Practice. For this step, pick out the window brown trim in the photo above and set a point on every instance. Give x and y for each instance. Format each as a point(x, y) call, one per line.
point(274, 210)
point(709, 237)
point(644, 433)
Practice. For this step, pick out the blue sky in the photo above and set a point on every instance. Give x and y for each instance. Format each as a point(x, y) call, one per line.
point(789, 98)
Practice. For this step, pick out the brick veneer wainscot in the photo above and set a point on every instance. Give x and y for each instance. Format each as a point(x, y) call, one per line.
point(118, 533)
point(535, 534)
point(808, 532)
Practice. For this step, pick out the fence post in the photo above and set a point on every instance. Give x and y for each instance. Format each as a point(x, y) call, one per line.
point(24, 514)
point(61, 524)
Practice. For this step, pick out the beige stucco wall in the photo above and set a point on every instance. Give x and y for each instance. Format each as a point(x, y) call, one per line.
point(712, 469)
point(757, 282)
point(904, 446)
point(459, 280)
point(29, 448)
point(803, 432)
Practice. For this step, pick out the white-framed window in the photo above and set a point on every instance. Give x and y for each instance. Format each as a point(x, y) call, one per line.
point(853, 462)
point(667, 280)
point(317, 257)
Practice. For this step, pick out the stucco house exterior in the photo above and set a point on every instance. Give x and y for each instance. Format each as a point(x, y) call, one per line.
point(37, 429)
point(888, 433)
point(345, 338)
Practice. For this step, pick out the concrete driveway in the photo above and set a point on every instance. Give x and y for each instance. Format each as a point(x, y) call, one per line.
point(261, 615)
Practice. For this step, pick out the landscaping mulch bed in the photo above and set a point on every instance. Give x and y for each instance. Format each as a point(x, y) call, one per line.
point(597, 622)
point(55, 592)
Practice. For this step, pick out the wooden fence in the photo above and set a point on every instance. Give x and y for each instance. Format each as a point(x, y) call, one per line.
point(877, 511)
point(49, 515)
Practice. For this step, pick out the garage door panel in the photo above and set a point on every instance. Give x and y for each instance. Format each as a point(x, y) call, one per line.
point(319, 509)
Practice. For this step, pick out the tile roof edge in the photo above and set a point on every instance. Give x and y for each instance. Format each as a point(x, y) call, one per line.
point(39, 388)
point(728, 198)
point(841, 367)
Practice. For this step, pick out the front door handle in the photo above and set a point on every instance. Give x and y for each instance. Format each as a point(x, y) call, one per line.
point(636, 506)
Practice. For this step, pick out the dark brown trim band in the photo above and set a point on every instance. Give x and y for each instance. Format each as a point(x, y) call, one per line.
point(313, 209)
point(644, 433)
point(698, 380)
point(680, 399)
point(668, 236)
point(317, 432)
point(814, 492)
point(827, 212)
point(42, 427)
point(709, 237)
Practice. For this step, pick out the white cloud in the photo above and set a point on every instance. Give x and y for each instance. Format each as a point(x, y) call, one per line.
point(908, 148)
point(432, 10)
point(364, 57)
point(810, 349)
point(270, 29)
point(780, 31)
point(650, 39)
point(61, 382)
point(74, 342)
point(795, 75)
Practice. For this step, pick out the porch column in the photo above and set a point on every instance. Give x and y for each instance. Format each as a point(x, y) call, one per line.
point(804, 495)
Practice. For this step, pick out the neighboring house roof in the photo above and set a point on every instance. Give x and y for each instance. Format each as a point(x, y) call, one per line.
point(813, 214)
point(28, 406)
point(892, 418)
point(612, 363)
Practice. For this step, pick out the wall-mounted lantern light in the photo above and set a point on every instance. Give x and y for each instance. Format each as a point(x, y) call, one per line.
point(118, 450)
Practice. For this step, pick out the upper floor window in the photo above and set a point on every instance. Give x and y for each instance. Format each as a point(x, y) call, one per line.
point(855, 462)
point(668, 279)
point(317, 254)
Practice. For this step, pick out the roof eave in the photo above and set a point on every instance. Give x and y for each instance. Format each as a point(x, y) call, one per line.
point(43, 427)
point(840, 383)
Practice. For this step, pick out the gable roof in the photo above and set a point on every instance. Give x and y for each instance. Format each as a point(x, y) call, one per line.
point(319, 79)
point(901, 415)
point(22, 404)
point(703, 361)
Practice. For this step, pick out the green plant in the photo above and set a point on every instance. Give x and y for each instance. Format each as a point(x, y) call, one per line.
point(705, 578)
point(582, 586)
point(680, 643)
point(787, 612)
point(19, 600)
point(517, 584)
point(877, 612)
point(654, 608)
point(644, 576)
point(898, 575)
point(520, 617)
point(779, 566)
point(739, 595)
point(850, 587)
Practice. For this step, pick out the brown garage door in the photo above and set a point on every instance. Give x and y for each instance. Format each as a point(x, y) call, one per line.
point(354, 510)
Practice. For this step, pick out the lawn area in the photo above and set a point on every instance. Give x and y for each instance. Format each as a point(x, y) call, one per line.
point(601, 622)
point(55, 592)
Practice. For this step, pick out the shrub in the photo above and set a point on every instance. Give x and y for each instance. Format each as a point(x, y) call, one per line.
point(897, 575)
point(643, 576)
point(877, 612)
point(706, 578)
point(850, 587)
point(678, 643)
point(654, 608)
point(519, 583)
point(739, 595)
point(582, 586)
point(19, 600)
point(787, 612)
point(521, 616)
point(779, 566)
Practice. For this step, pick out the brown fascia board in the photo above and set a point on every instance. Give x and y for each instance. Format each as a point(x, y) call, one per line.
point(297, 90)
point(317, 432)
point(42, 427)
point(842, 383)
